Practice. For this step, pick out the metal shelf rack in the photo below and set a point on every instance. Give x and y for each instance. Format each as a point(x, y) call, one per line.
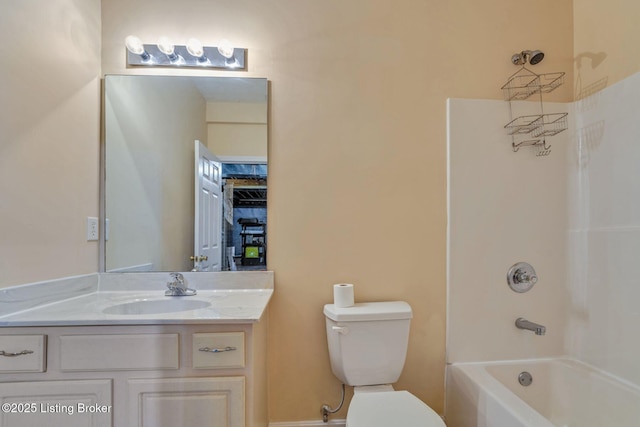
point(532, 130)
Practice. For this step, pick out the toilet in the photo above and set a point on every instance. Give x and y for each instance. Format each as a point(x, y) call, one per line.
point(367, 347)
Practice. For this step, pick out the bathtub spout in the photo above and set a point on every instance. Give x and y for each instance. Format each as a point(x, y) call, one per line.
point(522, 323)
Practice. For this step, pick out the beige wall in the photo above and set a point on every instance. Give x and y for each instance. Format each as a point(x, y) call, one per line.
point(49, 138)
point(606, 40)
point(151, 128)
point(237, 139)
point(237, 129)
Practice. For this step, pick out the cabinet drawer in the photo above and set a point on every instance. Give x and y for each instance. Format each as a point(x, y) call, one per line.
point(218, 350)
point(23, 353)
point(119, 352)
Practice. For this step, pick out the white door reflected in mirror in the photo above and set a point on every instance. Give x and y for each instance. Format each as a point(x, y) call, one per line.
point(208, 210)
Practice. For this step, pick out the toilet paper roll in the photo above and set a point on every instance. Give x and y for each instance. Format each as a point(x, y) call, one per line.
point(343, 295)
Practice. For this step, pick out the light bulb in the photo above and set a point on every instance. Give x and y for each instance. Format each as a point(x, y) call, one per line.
point(195, 48)
point(165, 46)
point(225, 48)
point(135, 46)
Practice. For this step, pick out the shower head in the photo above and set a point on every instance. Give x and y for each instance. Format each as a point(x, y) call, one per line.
point(534, 56)
point(531, 56)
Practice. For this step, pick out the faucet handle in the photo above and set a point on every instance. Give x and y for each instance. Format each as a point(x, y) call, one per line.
point(178, 287)
point(521, 277)
point(177, 277)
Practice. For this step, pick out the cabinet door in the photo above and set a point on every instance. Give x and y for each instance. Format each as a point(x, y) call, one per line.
point(186, 402)
point(82, 403)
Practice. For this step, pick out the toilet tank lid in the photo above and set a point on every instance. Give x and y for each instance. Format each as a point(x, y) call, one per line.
point(364, 311)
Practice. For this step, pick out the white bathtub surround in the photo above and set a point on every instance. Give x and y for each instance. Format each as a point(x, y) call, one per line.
point(504, 208)
point(605, 231)
point(238, 297)
point(563, 392)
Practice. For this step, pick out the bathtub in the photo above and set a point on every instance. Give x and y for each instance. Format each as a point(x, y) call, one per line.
point(563, 393)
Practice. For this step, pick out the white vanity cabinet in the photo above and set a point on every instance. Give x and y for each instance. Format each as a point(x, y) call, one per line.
point(188, 375)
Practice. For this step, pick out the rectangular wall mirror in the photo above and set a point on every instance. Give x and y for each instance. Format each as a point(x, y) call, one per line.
point(185, 165)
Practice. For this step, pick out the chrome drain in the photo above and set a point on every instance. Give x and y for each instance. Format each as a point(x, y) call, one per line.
point(525, 378)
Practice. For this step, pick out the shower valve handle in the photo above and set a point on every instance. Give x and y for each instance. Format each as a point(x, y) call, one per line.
point(524, 277)
point(521, 277)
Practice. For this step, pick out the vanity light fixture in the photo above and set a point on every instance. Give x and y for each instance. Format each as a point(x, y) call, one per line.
point(194, 54)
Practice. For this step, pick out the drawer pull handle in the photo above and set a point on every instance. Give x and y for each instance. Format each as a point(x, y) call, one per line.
point(19, 353)
point(217, 350)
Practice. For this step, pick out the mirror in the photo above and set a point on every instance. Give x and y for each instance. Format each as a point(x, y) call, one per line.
point(151, 124)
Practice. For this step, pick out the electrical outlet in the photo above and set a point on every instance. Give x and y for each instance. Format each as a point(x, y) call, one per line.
point(92, 228)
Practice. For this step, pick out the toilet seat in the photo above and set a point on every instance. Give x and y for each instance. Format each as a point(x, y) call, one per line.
point(390, 408)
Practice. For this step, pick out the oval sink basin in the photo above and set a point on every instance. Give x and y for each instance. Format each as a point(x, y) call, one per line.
point(169, 305)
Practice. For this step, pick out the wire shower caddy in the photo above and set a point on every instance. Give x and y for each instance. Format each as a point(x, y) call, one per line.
point(532, 130)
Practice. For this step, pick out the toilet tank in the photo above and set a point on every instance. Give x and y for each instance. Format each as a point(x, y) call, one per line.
point(368, 341)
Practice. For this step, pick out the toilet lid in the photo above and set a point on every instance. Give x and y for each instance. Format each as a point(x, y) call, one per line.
point(391, 408)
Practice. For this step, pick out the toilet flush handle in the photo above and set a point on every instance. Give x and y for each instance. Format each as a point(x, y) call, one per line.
point(341, 329)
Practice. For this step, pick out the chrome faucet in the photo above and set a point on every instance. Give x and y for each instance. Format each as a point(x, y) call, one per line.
point(178, 286)
point(522, 323)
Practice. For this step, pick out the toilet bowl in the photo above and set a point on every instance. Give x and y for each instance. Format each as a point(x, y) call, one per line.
point(390, 408)
point(367, 348)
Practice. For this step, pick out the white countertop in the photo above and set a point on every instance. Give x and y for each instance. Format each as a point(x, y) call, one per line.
point(235, 298)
